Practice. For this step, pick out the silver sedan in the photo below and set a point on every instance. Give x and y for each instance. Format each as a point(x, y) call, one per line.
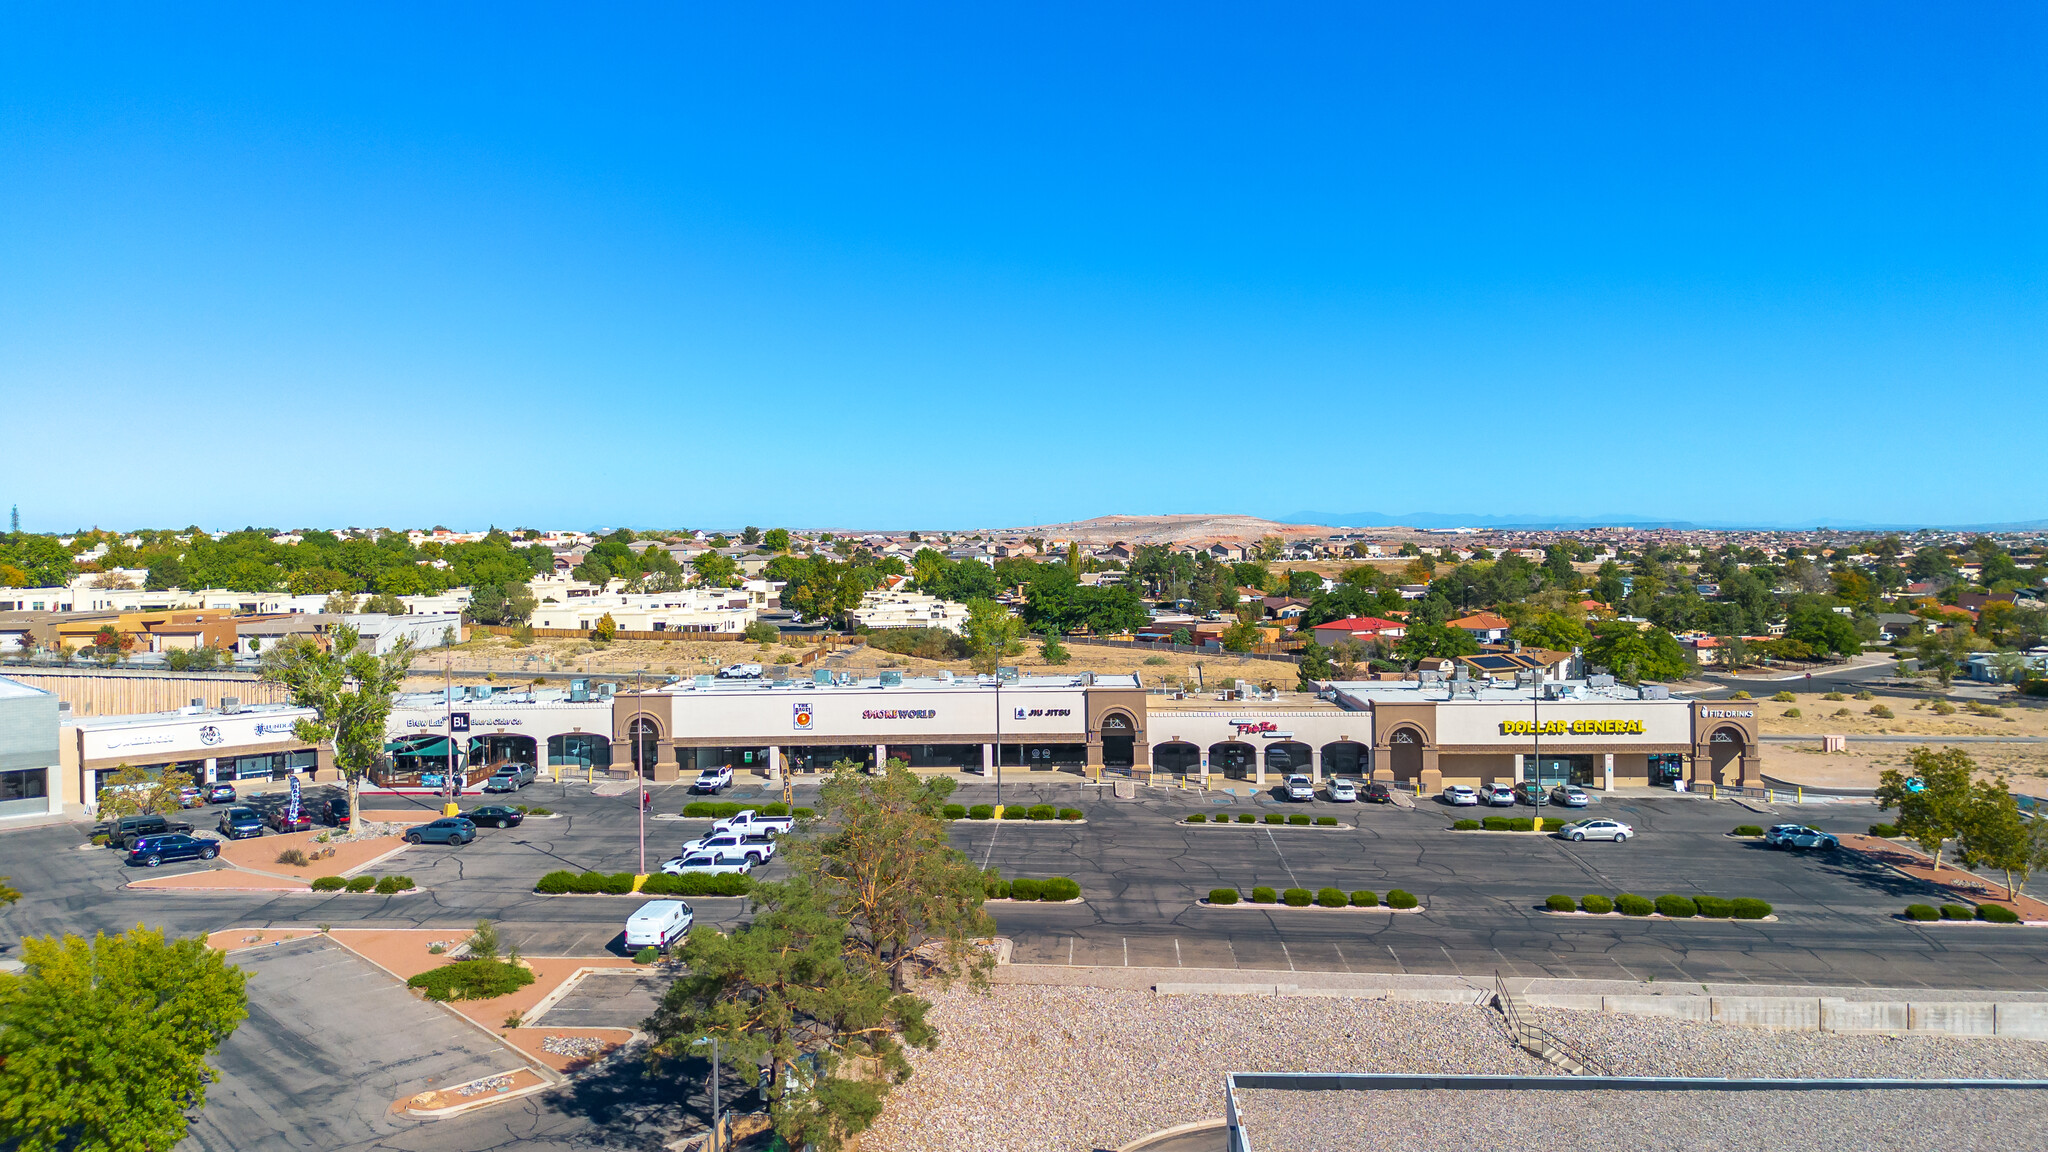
point(1582, 830)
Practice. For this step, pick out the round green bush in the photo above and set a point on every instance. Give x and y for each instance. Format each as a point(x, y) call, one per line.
point(1865, 695)
point(1677, 907)
point(1326, 821)
point(1197, 818)
point(955, 811)
point(1630, 904)
point(556, 883)
point(361, 883)
point(1365, 899)
point(1465, 826)
point(1298, 820)
point(1793, 714)
point(1784, 698)
point(1070, 814)
point(1884, 831)
point(1026, 889)
point(393, 885)
point(776, 809)
point(646, 955)
point(727, 808)
point(1714, 907)
point(1297, 897)
point(1997, 914)
point(618, 884)
point(1275, 818)
point(803, 813)
point(1747, 830)
point(1332, 897)
point(1042, 812)
point(329, 884)
point(1396, 898)
point(697, 809)
point(1749, 908)
point(1922, 912)
point(1522, 824)
point(471, 980)
point(981, 812)
point(1264, 896)
point(1000, 890)
point(540, 811)
point(1561, 904)
point(1592, 902)
point(1881, 712)
point(1739, 695)
point(1246, 818)
point(1222, 895)
point(1060, 888)
point(1958, 912)
point(1838, 696)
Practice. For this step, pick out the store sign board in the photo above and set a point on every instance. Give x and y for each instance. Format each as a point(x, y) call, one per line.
point(189, 736)
point(1590, 722)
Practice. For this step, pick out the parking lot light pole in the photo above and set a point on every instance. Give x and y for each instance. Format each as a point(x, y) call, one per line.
point(640, 801)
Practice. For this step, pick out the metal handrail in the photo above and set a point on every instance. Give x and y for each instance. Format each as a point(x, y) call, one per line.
point(1531, 1036)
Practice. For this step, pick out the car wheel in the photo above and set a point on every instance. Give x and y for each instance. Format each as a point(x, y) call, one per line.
point(152, 861)
point(209, 854)
point(412, 838)
point(1621, 837)
point(1578, 837)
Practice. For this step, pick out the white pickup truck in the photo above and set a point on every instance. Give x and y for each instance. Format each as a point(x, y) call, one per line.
point(751, 821)
point(756, 848)
point(705, 864)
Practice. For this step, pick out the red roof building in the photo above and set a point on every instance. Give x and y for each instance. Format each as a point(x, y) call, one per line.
point(1358, 628)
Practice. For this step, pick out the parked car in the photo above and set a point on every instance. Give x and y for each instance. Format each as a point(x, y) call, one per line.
point(151, 851)
point(511, 778)
point(712, 781)
point(1461, 796)
point(658, 924)
point(1597, 829)
point(740, 672)
point(1531, 793)
point(1498, 795)
point(1300, 788)
point(220, 794)
point(1379, 792)
point(453, 830)
point(1570, 795)
point(123, 833)
point(334, 811)
point(190, 797)
point(751, 821)
point(279, 819)
point(1343, 791)
point(1799, 836)
point(495, 816)
point(756, 847)
point(236, 823)
point(705, 863)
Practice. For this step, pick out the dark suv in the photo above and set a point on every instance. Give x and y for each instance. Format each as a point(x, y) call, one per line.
point(123, 833)
point(334, 811)
point(1532, 794)
point(236, 823)
point(151, 851)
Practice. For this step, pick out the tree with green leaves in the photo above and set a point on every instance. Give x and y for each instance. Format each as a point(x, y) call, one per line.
point(1558, 631)
point(1052, 651)
point(1435, 642)
point(1944, 653)
point(991, 633)
point(1935, 799)
point(103, 1043)
point(776, 540)
point(1635, 654)
point(1315, 665)
point(136, 791)
point(349, 688)
point(716, 570)
point(1996, 835)
point(750, 536)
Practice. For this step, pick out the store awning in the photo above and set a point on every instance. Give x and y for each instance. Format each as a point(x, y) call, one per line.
point(419, 746)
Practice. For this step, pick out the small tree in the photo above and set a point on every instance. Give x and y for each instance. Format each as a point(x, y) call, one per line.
point(1943, 804)
point(716, 570)
point(606, 629)
point(1996, 835)
point(349, 690)
point(1052, 651)
point(991, 633)
point(339, 603)
point(134, 791)
point(751, 536)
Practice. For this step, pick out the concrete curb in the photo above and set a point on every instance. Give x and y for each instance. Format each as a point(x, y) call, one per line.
point(1028, 903)
point(483, 1100)
point(1406, 995)
point(1260, 826)
point(1380, 907)
point(1771, 919)
point(1166, 1134)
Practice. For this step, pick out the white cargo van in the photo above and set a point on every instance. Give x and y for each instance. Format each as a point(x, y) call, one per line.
point(658, 924)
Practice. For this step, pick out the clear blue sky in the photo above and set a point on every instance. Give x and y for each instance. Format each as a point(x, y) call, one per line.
point(980, 265)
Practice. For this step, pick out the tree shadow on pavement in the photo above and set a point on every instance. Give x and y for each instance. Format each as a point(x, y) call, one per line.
point(634, 1106)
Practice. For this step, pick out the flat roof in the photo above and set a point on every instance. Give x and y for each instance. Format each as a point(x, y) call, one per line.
point(14, 688)
point(139, 719)
point(1486, 691)
point(909, 683)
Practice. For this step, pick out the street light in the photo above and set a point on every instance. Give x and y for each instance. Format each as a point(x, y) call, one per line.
point(717, 1137)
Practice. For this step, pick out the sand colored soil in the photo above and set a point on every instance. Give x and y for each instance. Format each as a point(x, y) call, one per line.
point(260, 853)
point(237, 939)
point(218, 880)
point(1955, 880)
point(529, 1041)
point(1818, 716)
point(2024, 765)
point(548, 974)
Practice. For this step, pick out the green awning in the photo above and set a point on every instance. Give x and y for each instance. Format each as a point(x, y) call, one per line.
point(419, 746)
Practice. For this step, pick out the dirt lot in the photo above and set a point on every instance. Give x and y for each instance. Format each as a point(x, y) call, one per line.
point(1819, 716)
point(2026, 765)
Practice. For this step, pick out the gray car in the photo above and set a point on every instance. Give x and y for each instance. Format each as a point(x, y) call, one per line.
point(447, 830)
point(1597, 829)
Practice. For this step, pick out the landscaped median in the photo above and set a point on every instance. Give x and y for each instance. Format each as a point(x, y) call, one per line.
point(1269, 820)
point(293, 862)
point(1525, 825)
point(1024, 890)
point(1665, 907)
point(1014, 813)
point(566, 883)
point(1965, 914)
point(1322, 899)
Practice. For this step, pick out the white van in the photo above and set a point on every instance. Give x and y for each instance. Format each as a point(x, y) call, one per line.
point(658, 924)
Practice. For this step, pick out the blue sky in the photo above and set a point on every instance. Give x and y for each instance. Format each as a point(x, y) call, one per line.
point(982, 265)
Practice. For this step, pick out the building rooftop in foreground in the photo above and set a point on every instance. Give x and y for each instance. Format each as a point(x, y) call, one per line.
point(1445, 690)
point(892, 683)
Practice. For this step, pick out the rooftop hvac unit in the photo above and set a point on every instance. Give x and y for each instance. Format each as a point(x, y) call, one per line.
point(199, 702)
point(1006, 675)
point(1656, 692)
point(892, 679)
point(578, 694)
point(945, 675)
point(818, 676)
point(482, 691)
point(231, 704)
point(1600, 681)
point(1087, 679)
point(701, 681)
point(604, 690)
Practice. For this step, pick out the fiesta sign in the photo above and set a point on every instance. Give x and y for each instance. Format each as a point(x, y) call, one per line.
point(1251, 727)
point(1571, 728)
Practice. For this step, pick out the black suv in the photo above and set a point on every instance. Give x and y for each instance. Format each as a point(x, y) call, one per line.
point(334, 811)
point(123, 833)
point(236, 823)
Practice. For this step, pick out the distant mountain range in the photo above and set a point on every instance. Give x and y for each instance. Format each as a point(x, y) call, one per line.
point(1561, 524)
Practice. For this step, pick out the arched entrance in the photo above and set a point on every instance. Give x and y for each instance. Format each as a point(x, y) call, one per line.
point(1288, 757)
point(1177, 757)
point(1118, 740)
point(1347, 758)
point(1405, 758)
point(643, 737)
point(1233, 760)
point(1725, 750)
point(497, 748)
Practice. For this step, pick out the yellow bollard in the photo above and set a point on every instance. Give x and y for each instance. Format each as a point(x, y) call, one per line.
point(1802, 794)
point(1539, 824)
point(451, 809)
point(999, 810)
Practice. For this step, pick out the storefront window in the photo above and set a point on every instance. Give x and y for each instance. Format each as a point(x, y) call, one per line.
point(580, 750)
point(24, 791)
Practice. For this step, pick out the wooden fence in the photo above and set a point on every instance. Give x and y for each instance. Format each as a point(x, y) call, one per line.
point(123, 692)
point(621, 634)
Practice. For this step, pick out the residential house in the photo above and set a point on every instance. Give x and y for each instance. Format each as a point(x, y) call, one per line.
point(1485, 627)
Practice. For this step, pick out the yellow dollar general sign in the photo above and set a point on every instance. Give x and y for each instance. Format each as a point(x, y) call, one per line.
point(1572, 728)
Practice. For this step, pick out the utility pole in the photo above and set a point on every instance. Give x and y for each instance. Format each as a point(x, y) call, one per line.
point(640, 801)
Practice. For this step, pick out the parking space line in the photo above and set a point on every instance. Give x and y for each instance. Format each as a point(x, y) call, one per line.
point(1289, 955)
point(1340, 957)
point(1127, 951)
point(1176, 952)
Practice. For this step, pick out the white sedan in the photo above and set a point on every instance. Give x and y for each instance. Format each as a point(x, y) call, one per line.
point(1583, 830)
point(1343, 791)
point(1461, 796)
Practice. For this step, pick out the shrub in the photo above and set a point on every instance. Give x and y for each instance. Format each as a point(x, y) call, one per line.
point(1157, 660)
point(955, 811)
point(1747, 830)
point(540, 811)
point(1246, 818)
point(1465, 826)
point(1749, 908)
point(1264, 896)
point(1332, 897)
point(1793, 713)
point(1275, 818)
point(1297, 897)
point(1071, 814)
point(1997, 914)
point(471, 980)
point(1922, 912)
point(1785, 698)
point(1596, 903)
point(1060, 888)
point(1865, 695)
point(1943, 708)
point(1023, 888)
point(1714, 907)
point(1838, 696)
point(1495, 823)
point(361, 883)
point(1197, 818)
point(1677, 907)
point(981, 812)
point(1630, 904)
point(1365, 899)
point(1298, 820)
point(776, 809)
point(1740, 696)
point(292, 856)
point(1399, 899)
point(1222, 895)
point(329, 884)
point(1000, 890)
point(618, 884)
point(1958, 912)
point(646, 955)
point(1522, 824)
point(393, 885)
point(1978, 707)
point(697, 809)
point(1841, 712)
point(1880, 711)
point(1561, 904)
point(1326, 821)
point(803, 813)
point(1042, 812)
point(436, 948)
point(1885, 831)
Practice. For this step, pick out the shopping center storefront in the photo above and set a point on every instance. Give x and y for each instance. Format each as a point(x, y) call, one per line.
point(243, 746)
point(28, 752)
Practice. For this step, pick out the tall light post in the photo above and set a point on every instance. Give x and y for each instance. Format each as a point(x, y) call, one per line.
point(999, 737)
point(640, 787)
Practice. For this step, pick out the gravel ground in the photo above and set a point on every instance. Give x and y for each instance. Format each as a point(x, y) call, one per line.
point(1646, 1045)
point(572, 1046)
point(1038, 1068)
point(1446, 1121)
